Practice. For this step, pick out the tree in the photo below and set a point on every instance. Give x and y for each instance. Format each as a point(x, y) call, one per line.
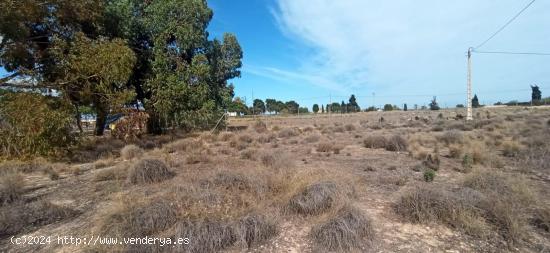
point(258, 106)
point(460, 106)
point(388, 107)
point(271, 105)
point(238, 106)
point(335, 107)
point(343, 107)
point(322, 109)
point(405, 107)
point(353, 106)
point(303, 110)
point(433, 105)
point(536, 94)
point(371, 109)
point(292, 107)
point(315, 108)
point(475, 102)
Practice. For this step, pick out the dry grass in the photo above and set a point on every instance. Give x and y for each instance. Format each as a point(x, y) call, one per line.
point(276, 159)
point(149, 171)
point(130, 152)
point(394, 143)
point(349, 230)
point(11, 186)
point(288, 132)
point(21, 216)
point(312, 138)
point(115, 173)
point(327, 147)
point(511, 148)
point(315, 199)
point(260, 126)
point(375, 141)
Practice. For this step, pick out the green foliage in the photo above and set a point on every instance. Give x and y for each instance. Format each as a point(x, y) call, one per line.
point(352, 105)
point(371, 109)
point(433, 105)
point(460, 106)
point(316, 108)
point(475, 102)
point(32, 124)
point(405, 107)
point(429, 175)
point(536, 94)
point(467, 161)
point(258, 106)
point(388, 107)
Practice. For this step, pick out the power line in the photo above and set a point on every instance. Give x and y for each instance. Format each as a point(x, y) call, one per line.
point(514, 53)
point(505, 25)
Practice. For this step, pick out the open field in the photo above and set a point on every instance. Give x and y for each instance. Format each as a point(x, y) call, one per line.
point(416, 181)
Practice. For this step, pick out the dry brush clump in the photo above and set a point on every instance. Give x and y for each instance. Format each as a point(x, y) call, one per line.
point(393, 143)
point(487, 202)
point(288, 132)
point(348, 230)
point(327, 147)
point(131, 151)
point(12, 186)
point(315, 199)
point(149, 171)
point(276, 159)
point(21, 216)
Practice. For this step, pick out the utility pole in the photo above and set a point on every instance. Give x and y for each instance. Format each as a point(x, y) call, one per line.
point(469, 102)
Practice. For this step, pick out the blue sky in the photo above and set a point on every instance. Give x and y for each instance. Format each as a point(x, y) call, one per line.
point(404, 51)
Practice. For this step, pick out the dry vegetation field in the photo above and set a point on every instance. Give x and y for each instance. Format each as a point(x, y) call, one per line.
point(412, 182)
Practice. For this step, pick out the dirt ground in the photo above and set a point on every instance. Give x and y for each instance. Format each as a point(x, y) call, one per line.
point(278, 157)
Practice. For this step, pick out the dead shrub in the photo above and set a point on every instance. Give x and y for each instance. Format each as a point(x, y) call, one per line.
point(456, 151)
point(115, 173)
point(226, 137)
point(197, 157)
point(288, 132)
point(102, 163)
point(130, 152)
point(451, 137)
point(349, 127)
point(314, 199)
point(327, 147)
point(237, 144)
point(511, 148)
point(266, 138)
point(276, 160)
point(149, 171)
point(250, 154)
point(312, 138)
point(184, 145)
point(348, 230)
point(375, 141)
point(254, 229)
point(260, 126)
point(541, 219)
point(246, 138)
point(396, 143)
point(22, 216)
point(426, 204)
point(216, 235)
point(51, 172)
point(11, 186)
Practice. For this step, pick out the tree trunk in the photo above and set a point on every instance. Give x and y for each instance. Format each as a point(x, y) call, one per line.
point(78, 120)
point(101, 118)
point(154, 125)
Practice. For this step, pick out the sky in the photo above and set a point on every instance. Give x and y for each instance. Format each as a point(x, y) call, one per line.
point(403, 51)
point(396, 52)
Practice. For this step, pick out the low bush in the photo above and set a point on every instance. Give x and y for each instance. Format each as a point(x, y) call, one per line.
point(349, 230)
point(288, 132)
point(149, 171)
point(11, 186)
point(396, 143)
point(314, 199)
point(375, 141)
point(276, 160)
point(131, 151)
point(429, 175)
point(260, 126)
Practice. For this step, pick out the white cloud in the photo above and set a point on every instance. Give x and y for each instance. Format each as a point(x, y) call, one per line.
point(410, 46)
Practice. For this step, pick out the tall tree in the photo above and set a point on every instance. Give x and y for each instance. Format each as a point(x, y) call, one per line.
point(258, 106)
point(475, 102)
point(433, 105)
point(271, 105)
point(322, 109)
point(353, 106)
point(292, 107)
point(405, 107)
point(315, 108)
point(343, 107)
point(536, 94)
